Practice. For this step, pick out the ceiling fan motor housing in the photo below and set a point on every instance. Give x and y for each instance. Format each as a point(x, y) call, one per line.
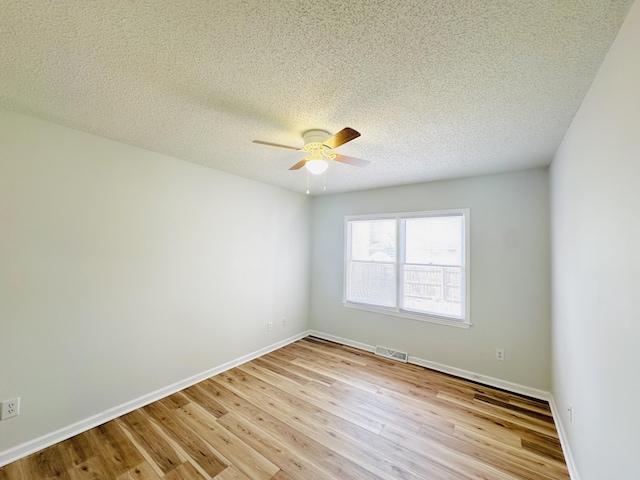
point(315, 136)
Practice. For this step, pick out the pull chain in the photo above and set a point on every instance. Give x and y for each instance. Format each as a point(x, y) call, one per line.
point(307, 182)
point(324, 188)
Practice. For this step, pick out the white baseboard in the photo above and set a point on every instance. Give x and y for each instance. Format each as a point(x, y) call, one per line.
point(458, 372)
point(484, 379)
point(342, 341)
point(32, 446)
point(564, 440)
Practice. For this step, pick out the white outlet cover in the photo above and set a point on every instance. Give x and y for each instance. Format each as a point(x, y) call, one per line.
point(10, 408)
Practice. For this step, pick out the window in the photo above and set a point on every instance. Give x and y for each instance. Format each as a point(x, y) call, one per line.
point(413, 265)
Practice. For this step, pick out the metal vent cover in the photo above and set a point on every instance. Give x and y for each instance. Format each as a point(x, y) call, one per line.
point(392, 354)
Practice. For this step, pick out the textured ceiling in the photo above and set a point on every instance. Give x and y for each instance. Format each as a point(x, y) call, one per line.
point(438, 89)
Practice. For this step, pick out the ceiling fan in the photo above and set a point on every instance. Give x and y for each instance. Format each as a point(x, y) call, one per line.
point(319, 144)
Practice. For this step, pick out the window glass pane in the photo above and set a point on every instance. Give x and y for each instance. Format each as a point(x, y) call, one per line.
point(372, 283)
point(373, 240)
point(416, 274)
point(435, 290)
point(434, 240)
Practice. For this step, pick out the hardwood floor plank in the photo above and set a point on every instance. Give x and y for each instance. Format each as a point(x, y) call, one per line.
point(118, 453)
point(325, 458)
point(275, 357)
point(244, 458)
point(279, 355)
point(147, 457)
point(186, 471)
point(193, 445)
point(77, 450)
point(267, 375)
point(526, 412)
point(459, 462)
point(174, 401)
point(437, 416)
point(527, 429)
point(316, 410)
point(141, 472)
point(341, 434)
point(281, 475)
point(330, 371)
point(287, 459)
point(232, 473)
point(199, 395)
point(540, 408)
point(316, 425)
point(92, 469)
point(536, 463)
point(281, 370)
point(151, 442)
point(353, 398)
point(357, 416)
point(336, 356)
point(414, 374)
point(46, 464)
point(13, 471)
point(547, 447)
point(487, 456)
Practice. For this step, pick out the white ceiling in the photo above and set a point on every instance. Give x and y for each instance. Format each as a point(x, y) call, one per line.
point(438, 89)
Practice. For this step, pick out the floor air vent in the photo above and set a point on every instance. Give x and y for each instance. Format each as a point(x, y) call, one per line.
point(392, 354)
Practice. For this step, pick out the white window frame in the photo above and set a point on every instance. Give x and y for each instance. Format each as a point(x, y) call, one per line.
point(465, 320)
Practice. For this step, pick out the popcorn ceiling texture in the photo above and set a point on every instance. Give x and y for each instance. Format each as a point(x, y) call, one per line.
point(438, 89)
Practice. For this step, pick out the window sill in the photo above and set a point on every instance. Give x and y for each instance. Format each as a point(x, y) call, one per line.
point(411, 316)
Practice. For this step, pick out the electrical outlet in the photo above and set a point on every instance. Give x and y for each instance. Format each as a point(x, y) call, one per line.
point(284, 322)
point(10, 408)
point(269, 326)
point(500, 354)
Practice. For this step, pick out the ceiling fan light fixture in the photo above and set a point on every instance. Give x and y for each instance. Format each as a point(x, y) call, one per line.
point(316, 167)
point(320, 144)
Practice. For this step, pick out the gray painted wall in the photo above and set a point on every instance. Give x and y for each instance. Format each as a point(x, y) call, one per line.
point(510, 271)
point(596, 268)
point(123, 271)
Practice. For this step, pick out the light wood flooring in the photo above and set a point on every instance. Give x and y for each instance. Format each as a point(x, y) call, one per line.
point(316, 410)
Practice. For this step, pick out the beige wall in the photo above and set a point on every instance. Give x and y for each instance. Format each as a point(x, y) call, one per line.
point(595, 185)
point(510, 292)
point(123, 271)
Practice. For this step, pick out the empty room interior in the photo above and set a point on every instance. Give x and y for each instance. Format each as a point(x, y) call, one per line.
point(319, 240)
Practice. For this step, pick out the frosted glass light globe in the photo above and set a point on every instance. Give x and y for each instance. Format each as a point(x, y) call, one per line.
point(316, 167)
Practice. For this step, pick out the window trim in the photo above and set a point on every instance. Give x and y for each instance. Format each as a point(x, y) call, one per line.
point(464, 322)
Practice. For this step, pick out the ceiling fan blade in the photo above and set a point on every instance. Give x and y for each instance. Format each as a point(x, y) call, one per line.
point(356, 162)
point(343, 136)
point(275, 145)
point(299, 165)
